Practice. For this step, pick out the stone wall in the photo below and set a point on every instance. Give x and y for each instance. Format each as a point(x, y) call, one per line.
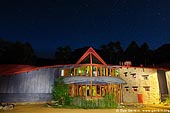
point(142, 85)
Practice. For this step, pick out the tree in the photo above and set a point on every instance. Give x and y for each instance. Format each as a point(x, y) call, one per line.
point(107, 52)
point(16, 53)
point(162, 54)
point(60, 92)
point(133, 53)
point(119, 52)
point(63, 55)
point(147, 54)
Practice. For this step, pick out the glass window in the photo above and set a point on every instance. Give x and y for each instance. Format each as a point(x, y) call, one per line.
point(98, 71)
point(103, 91)
point(83, 90)
point(83, 70)
point(145, 77)
point(133, 75)
point(147, 88)
point(127, 88)
point(135, 88)
point(87, 70)
point(103, 71)
point(88, 90)
point(125, 73)
point(94, 71)
point(93, 90)
point(79, 71)
point(72, 72)
point(98, 90)
point(116, 72)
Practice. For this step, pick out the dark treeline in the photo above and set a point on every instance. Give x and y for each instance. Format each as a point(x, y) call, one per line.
point(112, 53)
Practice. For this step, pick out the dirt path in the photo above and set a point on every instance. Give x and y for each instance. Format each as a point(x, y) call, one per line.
point(43, 109)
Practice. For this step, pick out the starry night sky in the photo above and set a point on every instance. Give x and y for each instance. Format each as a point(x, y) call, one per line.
point(48, 24)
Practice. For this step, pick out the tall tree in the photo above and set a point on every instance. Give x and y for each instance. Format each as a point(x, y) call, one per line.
point(133, 53)
point(147, 55)
point(119, 52)
point(108, 52)
point(63, 55)
point(16, 53)
point(162, 54)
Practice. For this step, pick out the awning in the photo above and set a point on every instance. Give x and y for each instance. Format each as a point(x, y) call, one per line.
point(97, 80)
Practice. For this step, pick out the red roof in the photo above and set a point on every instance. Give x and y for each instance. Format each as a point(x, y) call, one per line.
point(12, 69)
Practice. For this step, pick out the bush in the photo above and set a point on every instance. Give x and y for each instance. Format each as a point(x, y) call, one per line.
point(60, 92)
point(167, 101)
point(107, 102)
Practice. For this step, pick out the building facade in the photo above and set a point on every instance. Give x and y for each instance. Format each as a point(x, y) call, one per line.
point(90, 77)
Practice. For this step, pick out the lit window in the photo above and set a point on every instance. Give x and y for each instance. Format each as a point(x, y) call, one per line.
point(133, 75)
point(147, 88)
point(62, 72)
point(127, 88)
point(145, 77)
point(135, 88)
point(125, 74)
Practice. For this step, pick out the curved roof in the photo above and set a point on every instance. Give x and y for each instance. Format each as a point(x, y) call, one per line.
point(99, 80)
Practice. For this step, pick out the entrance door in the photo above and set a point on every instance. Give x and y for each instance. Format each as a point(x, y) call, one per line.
point(140, 98)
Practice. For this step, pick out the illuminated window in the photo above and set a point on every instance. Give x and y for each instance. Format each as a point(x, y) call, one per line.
point(72, 72)
point(62, 72)
point(116, 72)
point(133, 75)
point(125, 73)
point(145, 77)
point(135, 88)
point(147, 88)
point(127, 88)
point(98, 71)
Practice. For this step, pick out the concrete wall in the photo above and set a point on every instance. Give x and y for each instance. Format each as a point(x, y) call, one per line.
point(27, 87)
point(131, 96)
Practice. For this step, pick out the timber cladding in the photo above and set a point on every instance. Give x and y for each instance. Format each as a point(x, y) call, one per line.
point(29, 86)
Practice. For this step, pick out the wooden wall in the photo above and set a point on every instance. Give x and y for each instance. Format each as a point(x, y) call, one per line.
point(28, 87)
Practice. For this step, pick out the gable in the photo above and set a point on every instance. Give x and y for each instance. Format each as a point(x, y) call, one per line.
point(91, 57)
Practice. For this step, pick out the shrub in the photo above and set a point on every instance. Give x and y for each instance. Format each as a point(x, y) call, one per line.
point(60, 92)
point(107, 102)
point(167, 101)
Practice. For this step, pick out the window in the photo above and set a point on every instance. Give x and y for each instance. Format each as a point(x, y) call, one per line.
point(135, 88)
point(72, 72)
point(145, 77)
point(127, 88)
point(125, 73)
point(62, 72)
point(133, 75)
point(147, 88)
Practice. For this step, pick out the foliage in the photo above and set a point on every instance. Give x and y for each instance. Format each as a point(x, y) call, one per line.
point(167, 101)
point(16, 53)
point(60, 92)
point(107, 102)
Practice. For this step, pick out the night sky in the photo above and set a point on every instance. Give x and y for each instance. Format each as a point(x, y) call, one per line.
point(48, 24)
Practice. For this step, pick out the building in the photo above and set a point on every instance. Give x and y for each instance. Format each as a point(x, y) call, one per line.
point(90, 77)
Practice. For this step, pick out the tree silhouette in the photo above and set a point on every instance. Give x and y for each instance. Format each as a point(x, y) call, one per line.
point(16, 53)
point(133, 53)
point(147, 55)
point(63, 55)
